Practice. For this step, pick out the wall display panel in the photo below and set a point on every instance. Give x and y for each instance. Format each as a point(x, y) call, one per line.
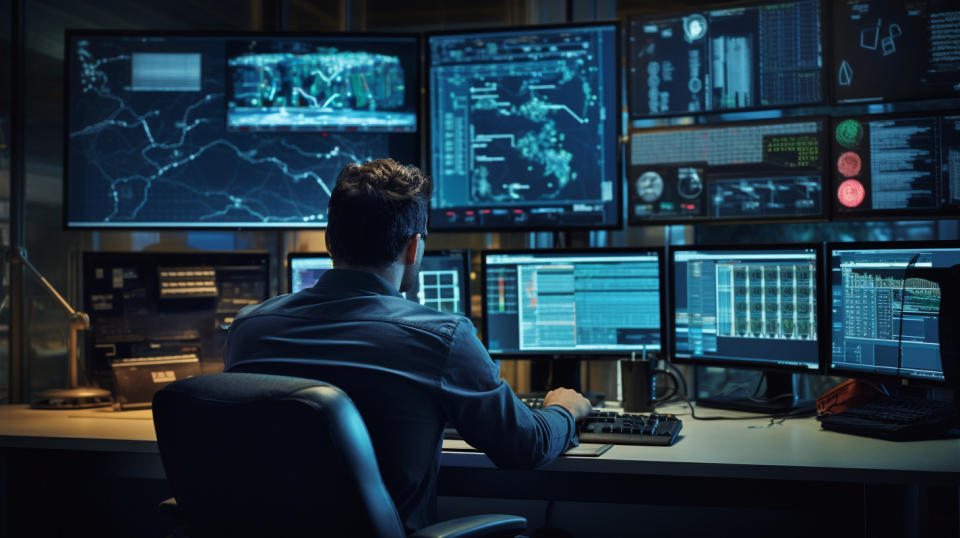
point(734, 58)
point(899, 165)
point(229, 130)
point(523, 128)
point(891, 51)
point(769, 170)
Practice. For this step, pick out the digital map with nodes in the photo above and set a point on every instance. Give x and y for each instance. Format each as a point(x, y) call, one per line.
point(148, 143)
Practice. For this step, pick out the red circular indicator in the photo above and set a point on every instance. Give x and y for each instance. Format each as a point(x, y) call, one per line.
point(849, 164)
point(851, 193)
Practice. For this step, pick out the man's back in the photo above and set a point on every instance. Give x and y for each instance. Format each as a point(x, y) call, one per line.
point(408, 368)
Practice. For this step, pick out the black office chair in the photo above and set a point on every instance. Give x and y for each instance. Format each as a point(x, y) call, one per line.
point(266, 455)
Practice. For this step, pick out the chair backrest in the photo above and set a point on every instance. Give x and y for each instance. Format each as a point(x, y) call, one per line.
point(266, 455)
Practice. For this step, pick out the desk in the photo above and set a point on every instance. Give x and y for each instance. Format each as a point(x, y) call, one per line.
point(713, 462)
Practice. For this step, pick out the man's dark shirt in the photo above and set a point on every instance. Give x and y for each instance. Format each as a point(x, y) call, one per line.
point(409, 369)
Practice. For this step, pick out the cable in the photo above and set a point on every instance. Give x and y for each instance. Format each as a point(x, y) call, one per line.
point(694, 416)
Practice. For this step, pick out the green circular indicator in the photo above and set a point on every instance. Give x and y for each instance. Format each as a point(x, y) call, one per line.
point(849, 133)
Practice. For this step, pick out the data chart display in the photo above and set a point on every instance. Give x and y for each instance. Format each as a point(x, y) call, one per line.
point(523, 128)
point(572, 303)
point(896, 165)
point(219, 131)
point(734, 58)
point(770, 170)
point(885, 308)
point(746, 306)
point(892, 51)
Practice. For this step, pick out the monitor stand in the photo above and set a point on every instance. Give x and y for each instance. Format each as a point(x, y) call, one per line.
point(773, 402)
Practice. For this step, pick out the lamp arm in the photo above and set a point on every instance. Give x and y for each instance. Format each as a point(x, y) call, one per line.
point(16, 256)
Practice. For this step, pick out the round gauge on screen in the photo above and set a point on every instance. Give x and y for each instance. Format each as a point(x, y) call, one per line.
point(649, 186)
point(851, 193)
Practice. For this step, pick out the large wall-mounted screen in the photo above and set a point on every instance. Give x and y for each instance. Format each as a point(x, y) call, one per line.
point(904, 165)
point(770, 170)
point(523, 128)
point(726, 59)
point(229, 131)
point(892, 51)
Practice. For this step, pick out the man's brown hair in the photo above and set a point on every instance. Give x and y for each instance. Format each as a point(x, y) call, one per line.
point(375, 208)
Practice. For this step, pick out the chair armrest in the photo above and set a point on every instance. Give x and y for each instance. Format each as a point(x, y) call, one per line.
point(169, 506)
point(470, 526)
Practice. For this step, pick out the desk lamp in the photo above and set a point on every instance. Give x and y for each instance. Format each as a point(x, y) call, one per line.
point(76, 396)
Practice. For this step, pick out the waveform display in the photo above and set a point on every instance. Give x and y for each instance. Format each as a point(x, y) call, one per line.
point(327, 89)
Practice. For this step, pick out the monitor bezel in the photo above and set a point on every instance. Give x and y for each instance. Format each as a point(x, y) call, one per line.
point(750, 364)
point(887, 214)
point(619, 193)
point(825, 178)
point(830, 369)
point(70, 34)
point(462, 254)
point(577, 354)
point(825, 97)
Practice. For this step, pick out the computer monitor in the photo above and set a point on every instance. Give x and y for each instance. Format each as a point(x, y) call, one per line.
point(751, 306)
point(150, 304)
point(892, 51)
point(877, 288)
point(573, 303)
point(524, 128)
point(216, 130)
point(896, 165)
point(444, 281)
point(726, 59)
point(767, 170)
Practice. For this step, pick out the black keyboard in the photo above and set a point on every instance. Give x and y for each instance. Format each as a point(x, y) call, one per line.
point(630, 428)
point(895, 419)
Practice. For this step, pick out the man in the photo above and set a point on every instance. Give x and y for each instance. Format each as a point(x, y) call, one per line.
point(409, 369)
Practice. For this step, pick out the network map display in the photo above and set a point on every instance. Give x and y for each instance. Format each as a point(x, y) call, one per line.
point(726, 59)
point(753, 307)
point(759, 170)
point(206, 131)
point(443, 283)
point(872, 290)
point(887, 51)
point(523, 128)
point(572, 303)
point(896, 165)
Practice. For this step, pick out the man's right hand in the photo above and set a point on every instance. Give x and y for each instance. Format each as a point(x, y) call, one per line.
point(569, 399)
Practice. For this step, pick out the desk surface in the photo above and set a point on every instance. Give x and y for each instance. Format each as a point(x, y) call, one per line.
point(756, 448)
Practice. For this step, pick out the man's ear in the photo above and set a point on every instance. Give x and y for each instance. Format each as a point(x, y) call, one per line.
point(409, 255)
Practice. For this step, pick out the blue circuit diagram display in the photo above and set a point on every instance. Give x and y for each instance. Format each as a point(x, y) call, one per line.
point(203, 131)
point(523, 128)
point(726, 59)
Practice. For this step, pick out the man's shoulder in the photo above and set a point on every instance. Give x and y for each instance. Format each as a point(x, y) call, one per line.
point(383, 309)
